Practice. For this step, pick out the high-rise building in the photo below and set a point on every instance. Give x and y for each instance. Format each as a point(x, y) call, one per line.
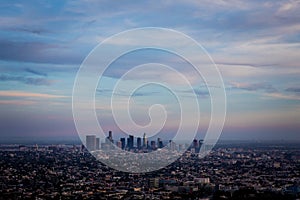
point(145, 141)
point(97, 143)
point(91, 142)
point(139, 143)
point(159, 143)
point(153, 145)
point(130, 142)
point(110, 137)
point(123, 143)
point(195, 143)
point(172, 145)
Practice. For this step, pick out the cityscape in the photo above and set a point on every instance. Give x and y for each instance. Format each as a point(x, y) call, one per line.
point(245, 170)
point(150, 100)
point(139, 144)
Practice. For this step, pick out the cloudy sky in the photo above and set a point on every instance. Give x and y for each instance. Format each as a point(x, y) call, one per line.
point(255, 44)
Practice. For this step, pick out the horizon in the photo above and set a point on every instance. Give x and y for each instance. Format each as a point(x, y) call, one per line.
point(77, 141)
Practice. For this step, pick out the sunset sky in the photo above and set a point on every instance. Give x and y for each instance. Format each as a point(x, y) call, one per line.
point(255, 44)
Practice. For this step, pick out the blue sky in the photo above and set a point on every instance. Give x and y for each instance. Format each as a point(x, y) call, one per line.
point(255, 44)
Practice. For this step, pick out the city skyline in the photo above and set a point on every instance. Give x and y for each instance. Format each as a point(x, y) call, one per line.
point(131, 143)
point(255, 45)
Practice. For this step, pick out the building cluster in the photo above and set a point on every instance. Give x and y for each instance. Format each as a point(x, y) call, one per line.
point(138, 144)
point(71, 172)
point(93, 143)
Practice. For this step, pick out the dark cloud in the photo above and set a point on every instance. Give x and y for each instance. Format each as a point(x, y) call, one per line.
point(199, 92)
point(141, 94)
point(293, 89)
point(26, 80)
point(21, 51)
point(37, 31)
point(39, 52)
point(36, 72)
point(254, 87)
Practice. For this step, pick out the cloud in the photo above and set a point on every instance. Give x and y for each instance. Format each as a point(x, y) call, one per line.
point(36, 72)
point(14, 93)
point(254, 86)
point(33, 30)
point(278, 95)
point(22, 51)
point(141, 94)
point(293, 89)
point(289, 6)
point(26, 80)
point(39, 52)
point(125, 94)
point(199, 92)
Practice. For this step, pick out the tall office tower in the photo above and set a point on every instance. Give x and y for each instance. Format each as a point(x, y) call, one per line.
point(109, 138)
point(130, 142)
point(153, 145)
point(97, 143)
point(139, 143)
point(159, 143)
point(195, 143)
point(91, 142)
point(172, 145)
point(144, 141)
point(123, 143)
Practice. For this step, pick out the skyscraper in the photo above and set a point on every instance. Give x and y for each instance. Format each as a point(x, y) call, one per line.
point(97, 143)
point(195, 143)
point(172, 145)
point(123, 143)
point(110, 137)
point(159, 143)
point(139, 142)
point(144, 141)
point(130, 142)
point(91, 142)
point(153, 145)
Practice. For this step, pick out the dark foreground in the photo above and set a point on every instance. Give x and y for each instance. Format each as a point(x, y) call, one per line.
point(239, 171)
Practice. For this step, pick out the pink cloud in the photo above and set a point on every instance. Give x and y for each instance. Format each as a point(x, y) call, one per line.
point(12, 93)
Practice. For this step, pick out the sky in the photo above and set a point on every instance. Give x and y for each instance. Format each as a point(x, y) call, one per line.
point(255, 45)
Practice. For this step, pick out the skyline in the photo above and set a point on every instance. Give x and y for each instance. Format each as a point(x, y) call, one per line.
point(255, 44)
